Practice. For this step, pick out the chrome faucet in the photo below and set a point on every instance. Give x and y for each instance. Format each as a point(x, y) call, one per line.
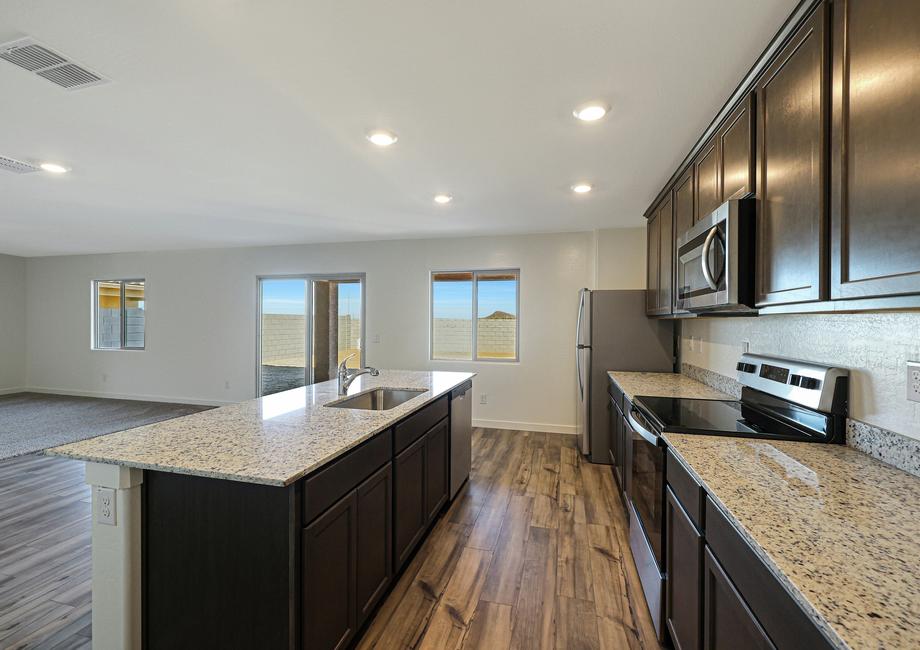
point(347, 375)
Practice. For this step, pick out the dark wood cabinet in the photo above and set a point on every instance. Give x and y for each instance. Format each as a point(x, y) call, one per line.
point(875, 183)
point(329, 568)
point(684, 213)
point(409, 514)
point(792, 110)
point(707, 180)
point(436, 470)
point(653, 237)
point(735, 141)
point(374, 535)
point(728, 623)
point(684, 562)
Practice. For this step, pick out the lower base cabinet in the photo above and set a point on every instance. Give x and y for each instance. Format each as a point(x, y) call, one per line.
point(436, 469)
point(728, 623)
point(684, 559)
point(347, 564)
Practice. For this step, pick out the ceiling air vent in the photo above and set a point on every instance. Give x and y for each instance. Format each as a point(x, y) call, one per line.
point(30, 55)
point(16, 166)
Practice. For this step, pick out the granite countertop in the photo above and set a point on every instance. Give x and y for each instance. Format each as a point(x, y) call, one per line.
point(274, 440)
point(839, 529)
point(663, 384)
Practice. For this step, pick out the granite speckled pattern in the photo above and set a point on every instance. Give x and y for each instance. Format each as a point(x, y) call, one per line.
point(274, 440)
point(839, 529)
point(663, 384)
point(728, 385)
point(888, 446)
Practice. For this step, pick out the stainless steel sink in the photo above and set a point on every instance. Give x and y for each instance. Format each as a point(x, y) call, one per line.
point(381, 399)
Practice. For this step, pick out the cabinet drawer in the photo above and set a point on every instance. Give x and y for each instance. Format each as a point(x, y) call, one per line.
point(688, 492)
point(784, 621)
point(416, 425)
point(331, 483)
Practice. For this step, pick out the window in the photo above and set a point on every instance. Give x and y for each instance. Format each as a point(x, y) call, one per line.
point(492, 296)
point(119, 308)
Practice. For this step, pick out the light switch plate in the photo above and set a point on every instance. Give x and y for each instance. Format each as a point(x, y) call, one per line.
point(913, 381)
point(105, 506)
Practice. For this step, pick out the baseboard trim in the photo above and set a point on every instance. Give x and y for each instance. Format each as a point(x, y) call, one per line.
point(11, 391)
point(126, 396)
point(525, 426)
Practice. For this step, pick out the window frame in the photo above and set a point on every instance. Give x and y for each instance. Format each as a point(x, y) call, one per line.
point(123, 319)
point(474, 352)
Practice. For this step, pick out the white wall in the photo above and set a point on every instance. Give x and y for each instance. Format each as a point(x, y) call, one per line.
point(875, 347)
point(216, 290)
point(12, 323)
point(619, 258)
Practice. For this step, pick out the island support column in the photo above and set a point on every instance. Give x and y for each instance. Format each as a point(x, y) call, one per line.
point(116, 558)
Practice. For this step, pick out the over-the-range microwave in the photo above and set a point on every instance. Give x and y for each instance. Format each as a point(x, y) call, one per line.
point(715, 260)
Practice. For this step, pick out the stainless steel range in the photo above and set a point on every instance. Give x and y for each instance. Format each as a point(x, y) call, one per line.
point(781, 399)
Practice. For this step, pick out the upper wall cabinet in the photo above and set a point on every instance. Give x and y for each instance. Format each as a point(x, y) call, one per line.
point(659, 296)
point(875, 149)
point(736, 151)
point(652, 260)
point(707, 180)
point(792, 110)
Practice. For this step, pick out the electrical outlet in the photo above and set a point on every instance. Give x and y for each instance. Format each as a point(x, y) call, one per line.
point(483, 399)
point(745, 346)
point(913, 381)
point(227, 385)
point(376, 338)
point(105, 506)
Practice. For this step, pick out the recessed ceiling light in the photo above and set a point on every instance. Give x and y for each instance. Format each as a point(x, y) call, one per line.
point(581, 188)
point(54, 168)
point(591, 112)
point(443, 198)
point(382, 138)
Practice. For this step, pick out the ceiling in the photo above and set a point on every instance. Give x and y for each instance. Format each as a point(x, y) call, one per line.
point(243, 122)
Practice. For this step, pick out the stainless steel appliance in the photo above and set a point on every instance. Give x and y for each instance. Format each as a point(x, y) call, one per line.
point(612, 333)
point(461, 436)
point(715, 260)
point(781, 399)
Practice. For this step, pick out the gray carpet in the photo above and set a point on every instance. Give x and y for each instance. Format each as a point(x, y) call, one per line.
point(31, 422)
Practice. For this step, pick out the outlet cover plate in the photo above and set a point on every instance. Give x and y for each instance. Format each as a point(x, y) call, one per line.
point(105, 506)
point(913, 381)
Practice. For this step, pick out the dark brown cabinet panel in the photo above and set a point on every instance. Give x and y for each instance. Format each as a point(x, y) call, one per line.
point(875, 184)
point(792, 109)
point(708, 194)
point(436, 470)
point(684, 560)
point(409, 514)
point(728, 623)
point(329, 568)
point(666, 261)
point(736, 152)
point(653, 234)
point(374, 530)
point(683, 204)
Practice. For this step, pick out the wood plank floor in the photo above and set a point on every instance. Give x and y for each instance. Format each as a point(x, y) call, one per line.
point(533, 554)
point(45, 557)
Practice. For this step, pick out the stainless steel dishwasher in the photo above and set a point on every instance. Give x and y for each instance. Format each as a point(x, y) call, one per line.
point(461, 436)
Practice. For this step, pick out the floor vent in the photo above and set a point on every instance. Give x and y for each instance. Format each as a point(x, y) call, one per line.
point(29, 55)
point(16, 166)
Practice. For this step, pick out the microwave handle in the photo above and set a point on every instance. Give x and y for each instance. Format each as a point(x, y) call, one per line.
point(704, 258)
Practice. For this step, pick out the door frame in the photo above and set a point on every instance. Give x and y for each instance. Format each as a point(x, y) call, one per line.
point(308, 279)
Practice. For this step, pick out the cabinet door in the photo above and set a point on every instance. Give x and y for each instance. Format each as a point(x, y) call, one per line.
point(736, 146)
point(684, 589)
point(374, 570)
point(436, 472)
point(666, 257)
point(409, 514)
point(875, 183)
point(791, 119)
point(329, 553)
point(652, 261)
point(683, 220)
point(708, 183)
point(728, 624)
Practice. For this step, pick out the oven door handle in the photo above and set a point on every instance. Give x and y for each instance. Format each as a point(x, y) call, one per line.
point(704, 258)
point(641, 430)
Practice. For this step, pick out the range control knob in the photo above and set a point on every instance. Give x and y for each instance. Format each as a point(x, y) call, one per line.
point(746, 367)
point(809, 383)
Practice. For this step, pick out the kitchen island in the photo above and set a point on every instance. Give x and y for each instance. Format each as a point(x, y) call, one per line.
point(279, 522)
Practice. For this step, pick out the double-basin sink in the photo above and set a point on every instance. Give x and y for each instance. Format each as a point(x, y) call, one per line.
point(379, 399)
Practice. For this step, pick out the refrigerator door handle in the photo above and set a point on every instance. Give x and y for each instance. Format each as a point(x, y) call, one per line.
point(581, 310)
point(581, 387)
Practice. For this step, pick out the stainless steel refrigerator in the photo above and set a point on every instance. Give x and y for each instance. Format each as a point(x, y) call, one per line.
point(613, 333)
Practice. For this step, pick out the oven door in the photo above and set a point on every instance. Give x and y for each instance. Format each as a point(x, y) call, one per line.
point(646, 486)
point(701, 265)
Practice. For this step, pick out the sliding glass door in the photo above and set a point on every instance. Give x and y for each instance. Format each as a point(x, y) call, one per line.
point(307, 326)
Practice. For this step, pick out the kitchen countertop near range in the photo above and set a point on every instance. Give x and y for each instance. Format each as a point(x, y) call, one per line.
point(663, 384)
point(838, 528)
point(273, 440)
